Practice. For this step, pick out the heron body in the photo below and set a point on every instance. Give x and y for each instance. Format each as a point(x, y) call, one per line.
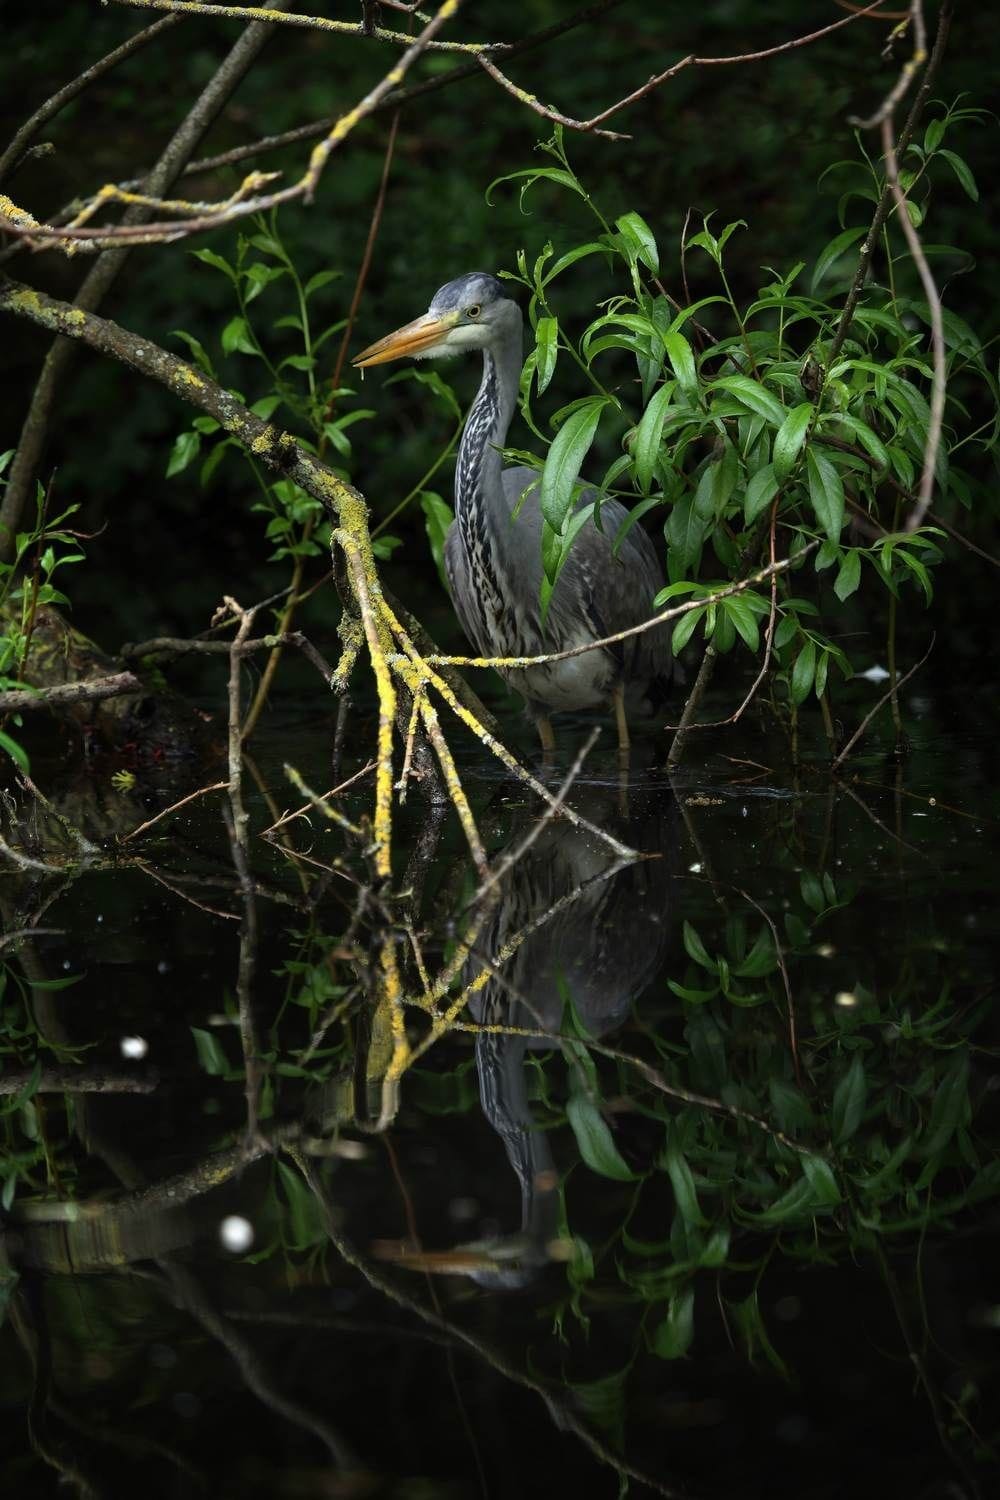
point(493, 552)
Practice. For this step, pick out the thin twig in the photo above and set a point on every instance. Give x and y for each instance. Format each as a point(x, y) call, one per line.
point(674, 613)
point(839, 760)
point(704, 677)
point(933, 439)
point(485, 61)
point(217, 786)
point(779, 951)
point(500, 870)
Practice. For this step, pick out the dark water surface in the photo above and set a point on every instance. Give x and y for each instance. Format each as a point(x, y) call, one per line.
point(695, 1193)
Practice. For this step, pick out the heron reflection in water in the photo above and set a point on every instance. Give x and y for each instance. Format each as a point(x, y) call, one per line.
point(493, 553)
point(601, 947)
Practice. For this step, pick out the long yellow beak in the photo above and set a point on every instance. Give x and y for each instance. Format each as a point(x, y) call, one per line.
point(412, 338)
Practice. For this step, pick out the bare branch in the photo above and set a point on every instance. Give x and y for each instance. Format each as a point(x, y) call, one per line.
point(66, 693)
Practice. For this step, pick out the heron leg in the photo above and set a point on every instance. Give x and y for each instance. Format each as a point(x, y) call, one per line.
point(618, 698)
point(545, 733)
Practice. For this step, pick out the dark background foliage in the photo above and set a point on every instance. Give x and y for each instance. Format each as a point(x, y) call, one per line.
point(749, 142)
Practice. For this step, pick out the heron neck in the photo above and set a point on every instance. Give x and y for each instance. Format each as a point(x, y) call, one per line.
point(478, 488)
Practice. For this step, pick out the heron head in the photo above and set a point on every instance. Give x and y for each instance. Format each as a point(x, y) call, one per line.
point(471, 312)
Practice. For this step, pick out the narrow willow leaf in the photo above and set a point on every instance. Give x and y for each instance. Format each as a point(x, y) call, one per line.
point(790, 437)
point(759, 493)
point(685, 532)
point(696, 949)
point(673, 1337)
point(753, 396)
point(685, 629)
point(803, 672)
point(438, 516)
point(744, 619)
point(685, 1193)
point(681, 357)
point(646, 447)
point(848, 1105)
point(564, 459)
point(819, 1175)
point(210, 258)
point(639, 240)
point(826, 493)
point(211, 1057)
point(849, 575)
point(963, 172)
point(597, 1147)
point(16, 752)
point(547, 345)
point(236, 337)
point(833, 251)
point(184, 451)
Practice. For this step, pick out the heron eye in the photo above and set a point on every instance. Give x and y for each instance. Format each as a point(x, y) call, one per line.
point(473, 311)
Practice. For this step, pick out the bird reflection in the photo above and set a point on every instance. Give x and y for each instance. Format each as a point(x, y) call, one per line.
point(596, 932)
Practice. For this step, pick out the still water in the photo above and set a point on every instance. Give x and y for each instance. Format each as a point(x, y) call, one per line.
point(674, 1173)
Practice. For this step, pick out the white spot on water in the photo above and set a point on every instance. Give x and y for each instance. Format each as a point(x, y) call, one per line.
point(133, 1046)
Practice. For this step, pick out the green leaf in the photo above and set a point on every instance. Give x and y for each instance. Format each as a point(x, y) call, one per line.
point(833, 251)
point(16, 752)
point(849, 1097)
point(685, 533)
point(685, 628)
point(197, 350)
point(547, 345)
point(639, 240)
point(236, 337)
point(597, 1147)
point(819, 1175)
point(849, 575)
point(210, 258)
point(438, 516)
point(186, 448)
point(759, 493)
point(685, 1193)
point(681, 357)
point(258, 276)
point(564, 459)
point(826, 492)
point(321, 279)
point(790, 437)
point(673, 1337)
point(962, 172)
point(646, 447)
point(741, 614)
point(537, 174)
point(696, 949)
point(211, 1058)
point(751, 394)
point(803, 672)
point(951, 1108)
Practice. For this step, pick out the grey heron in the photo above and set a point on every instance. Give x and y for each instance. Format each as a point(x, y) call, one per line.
point(493, 553)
